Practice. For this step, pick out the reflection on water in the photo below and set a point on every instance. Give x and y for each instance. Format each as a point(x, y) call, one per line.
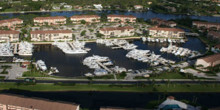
point(71, 65)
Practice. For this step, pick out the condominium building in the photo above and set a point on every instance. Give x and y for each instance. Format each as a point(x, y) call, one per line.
point(11, 23)
point(10, 102)
point(208, 61)
point(207, 25)
point(87, 18)
point(117, 31)
point(163, 22)
point(166, 32)
point(121, 18)
point(51, 35)
point(9, 36)
point(55, 20)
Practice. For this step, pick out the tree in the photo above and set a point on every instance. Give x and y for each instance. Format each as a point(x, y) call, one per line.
point(83, 33)
point(83, 22)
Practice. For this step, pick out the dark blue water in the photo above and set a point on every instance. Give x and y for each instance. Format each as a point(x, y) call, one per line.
point(95, 100)
point(71, 65)
point(146, 15)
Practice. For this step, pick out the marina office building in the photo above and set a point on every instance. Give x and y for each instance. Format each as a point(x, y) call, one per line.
point(117, 31)
point(166, 32)
point(208, 61)
point(87, 18)
point(9, 36)
point(121, 18)
point(11, 23)
point(51, 35)
point(53, 20)
point(10, 102)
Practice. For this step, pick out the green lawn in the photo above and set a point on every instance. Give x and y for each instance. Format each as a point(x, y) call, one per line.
point(116, 88)
point(34, 74)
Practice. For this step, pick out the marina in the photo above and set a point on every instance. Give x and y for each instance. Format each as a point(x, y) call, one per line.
point(72, 66)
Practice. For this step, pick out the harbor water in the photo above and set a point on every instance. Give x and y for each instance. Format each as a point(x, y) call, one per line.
point(71, 65)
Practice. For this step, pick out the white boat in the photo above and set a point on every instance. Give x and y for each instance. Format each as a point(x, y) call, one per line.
point(6, 50)
point(144, 39)
point(25, 49)
point(100, 72)
point(41, 65)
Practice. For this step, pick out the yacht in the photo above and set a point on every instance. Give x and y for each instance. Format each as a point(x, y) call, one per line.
point(6, 50)
point(25, 49)
point(41, 65)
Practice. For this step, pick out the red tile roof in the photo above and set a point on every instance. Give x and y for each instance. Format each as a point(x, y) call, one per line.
point(212, 58)
point(35, 103)
point(206, 23)
point(9, 32)
point(85, 16)
point(166, 29)
point(51, 17)
point(50, 31)
point(116, 28)
point(126, 16)
point(10, 20)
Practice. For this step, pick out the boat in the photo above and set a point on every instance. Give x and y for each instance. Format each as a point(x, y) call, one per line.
point(25, 49)
point(6, 50)
point(41, 65)
point(100, 72)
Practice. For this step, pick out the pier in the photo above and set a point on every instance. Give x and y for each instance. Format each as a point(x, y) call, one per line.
point(103, 66)
point(71, 45)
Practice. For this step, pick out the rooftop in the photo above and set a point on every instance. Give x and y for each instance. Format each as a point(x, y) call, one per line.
point(116, 28)
point(50, 31)
point(9, 32)
point(10, 20)
point(166, 29)
point(51, 17)
point(35, 103)
point(210, 23)
point(212, 58)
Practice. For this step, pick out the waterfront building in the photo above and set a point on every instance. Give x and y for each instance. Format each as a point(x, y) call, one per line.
point(10, 102)
point(11, 23)
point(121, 18)
point(51, 35)
point(55, 20)
point(117, 31)
point(87, 18)
point(163, 22)
point(9, 36)
point(207, 25)
point(215, 36)
point(166, 32)
point(208, 61)
point(171, 104)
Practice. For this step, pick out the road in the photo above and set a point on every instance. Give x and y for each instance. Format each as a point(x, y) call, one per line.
point(156, 81)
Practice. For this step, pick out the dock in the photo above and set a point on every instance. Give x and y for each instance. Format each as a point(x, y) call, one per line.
point(71, 45)
point(103, 66)
point(15, 49)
